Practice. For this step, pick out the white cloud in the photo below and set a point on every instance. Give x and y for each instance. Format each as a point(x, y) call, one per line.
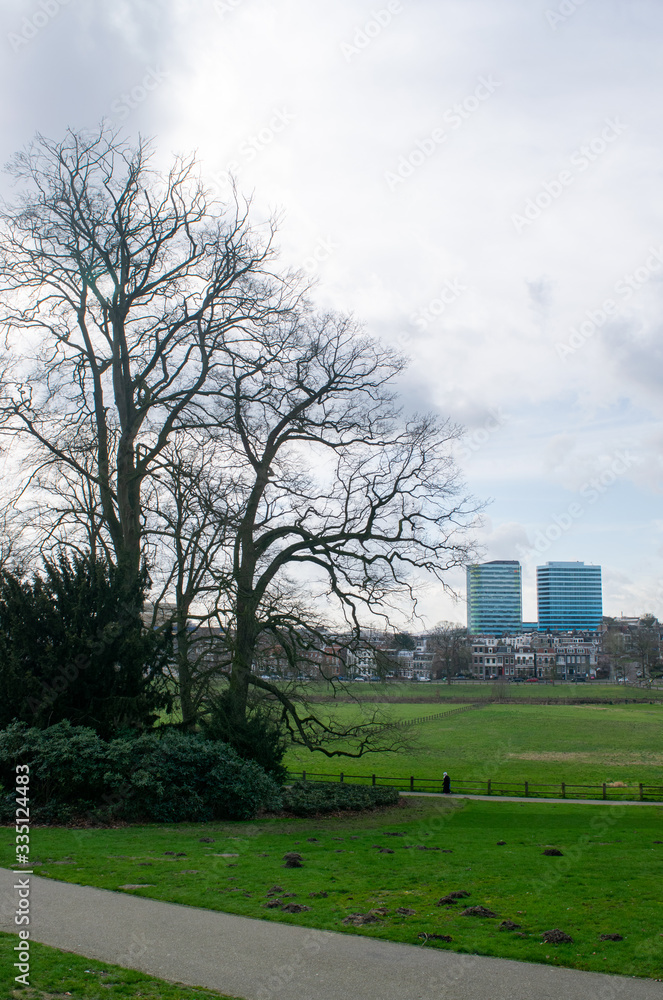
point(494, 345)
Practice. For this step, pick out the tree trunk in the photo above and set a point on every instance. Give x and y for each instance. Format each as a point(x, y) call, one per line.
point(184, 676)
point(244, 651)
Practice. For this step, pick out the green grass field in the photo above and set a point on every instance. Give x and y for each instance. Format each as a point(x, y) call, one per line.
point(577, 744)
point(606, 882)
point(435, 696)
point(436, 691)
point(55, 973)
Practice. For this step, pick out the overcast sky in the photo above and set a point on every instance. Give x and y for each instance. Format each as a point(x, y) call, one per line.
point(478, 181)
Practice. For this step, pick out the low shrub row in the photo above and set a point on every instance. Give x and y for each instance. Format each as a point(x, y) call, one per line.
point(164, 777)
point(157, 777)
point(306, 798)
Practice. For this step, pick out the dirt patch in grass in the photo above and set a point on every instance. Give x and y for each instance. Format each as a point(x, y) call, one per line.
point(556, 936)
point(590, 757)
point(514, 881)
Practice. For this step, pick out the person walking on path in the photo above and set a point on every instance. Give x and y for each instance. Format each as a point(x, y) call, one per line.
point(446, 783)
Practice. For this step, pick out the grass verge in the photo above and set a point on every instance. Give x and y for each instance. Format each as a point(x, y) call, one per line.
point(55, 973)
point(593, 744)
point(407, 858)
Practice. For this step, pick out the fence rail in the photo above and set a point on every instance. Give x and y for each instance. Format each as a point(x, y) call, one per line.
point(641, 792)
point(438, 715)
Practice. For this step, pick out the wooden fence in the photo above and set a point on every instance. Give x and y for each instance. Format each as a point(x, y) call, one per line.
point(437, 715)
point(524, 789)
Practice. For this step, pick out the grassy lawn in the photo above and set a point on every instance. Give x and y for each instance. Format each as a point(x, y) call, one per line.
point(425, 698)
point(435, 691)
point(55, 973)
point(592, 744)
point(606, 882)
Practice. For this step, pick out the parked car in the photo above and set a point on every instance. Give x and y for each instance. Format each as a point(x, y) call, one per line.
point(532, 680)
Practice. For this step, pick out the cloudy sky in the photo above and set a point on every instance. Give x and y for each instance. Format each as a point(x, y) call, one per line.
point(477, 180)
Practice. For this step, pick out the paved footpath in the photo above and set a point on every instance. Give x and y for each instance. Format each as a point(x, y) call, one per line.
point(264, 960)
point(534, 799)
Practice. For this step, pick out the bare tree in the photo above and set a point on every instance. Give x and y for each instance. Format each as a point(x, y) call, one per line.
point(645, 645)
point(189, 535)
point(121, 287)
point(341, 503)
point(616, 647)
point(449, 645)
point(150, 327)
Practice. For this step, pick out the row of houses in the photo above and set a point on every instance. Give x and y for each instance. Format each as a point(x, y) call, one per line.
point(565, 656)
point(560, 655)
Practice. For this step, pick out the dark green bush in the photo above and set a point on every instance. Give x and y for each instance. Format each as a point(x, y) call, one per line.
point(305, 798)
point(255, 736)
point(163, 777)
point(72, 647)
point(181, 776)
point(67, 763)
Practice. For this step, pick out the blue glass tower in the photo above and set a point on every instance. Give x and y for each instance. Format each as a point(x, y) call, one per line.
point(494, 597)
point(569, 597)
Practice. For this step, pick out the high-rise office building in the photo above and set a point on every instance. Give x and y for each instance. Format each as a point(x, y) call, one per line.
point(569, 597)
point(494, 597)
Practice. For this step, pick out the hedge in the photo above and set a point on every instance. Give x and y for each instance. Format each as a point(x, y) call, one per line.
point(306, 798)
point(165, 777)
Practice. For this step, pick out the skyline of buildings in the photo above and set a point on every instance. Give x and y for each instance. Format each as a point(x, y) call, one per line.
point(494, 596)
point(569, 597)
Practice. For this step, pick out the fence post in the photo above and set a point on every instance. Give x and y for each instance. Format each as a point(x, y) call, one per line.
point(641, 795)
point(373, 779)
point(563, 790)
point(303, 775)
point(411, 783)
point(526, 789)
point(604, 791)
point(340, 777)
point(488, 787)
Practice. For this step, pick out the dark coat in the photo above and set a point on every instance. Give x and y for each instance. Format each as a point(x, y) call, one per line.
point(446, 784)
